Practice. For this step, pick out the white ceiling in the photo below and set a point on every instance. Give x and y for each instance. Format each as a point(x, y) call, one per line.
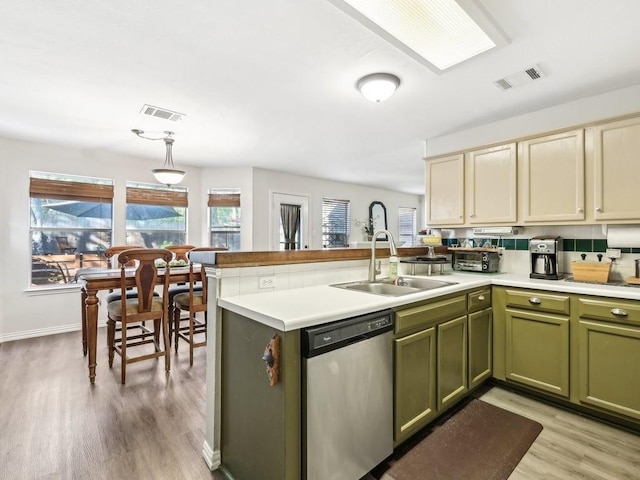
point(271, 83)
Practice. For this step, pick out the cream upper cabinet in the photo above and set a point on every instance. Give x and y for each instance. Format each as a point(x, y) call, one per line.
point(616, 160)
point(491, 185)
point(551, 171)
point(445, 191)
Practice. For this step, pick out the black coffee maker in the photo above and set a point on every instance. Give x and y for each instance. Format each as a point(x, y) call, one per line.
point(546, 257)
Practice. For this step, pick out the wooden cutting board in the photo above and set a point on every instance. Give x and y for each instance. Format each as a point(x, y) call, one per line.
point(633, 280)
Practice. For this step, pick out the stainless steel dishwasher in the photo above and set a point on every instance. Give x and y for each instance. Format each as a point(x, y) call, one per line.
point(347, 396)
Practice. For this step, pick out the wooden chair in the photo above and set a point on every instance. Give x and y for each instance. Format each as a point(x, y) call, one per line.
point(64, 246)
point(142, 308)
point(180, 251)
point(193, 301)
point(111, 253)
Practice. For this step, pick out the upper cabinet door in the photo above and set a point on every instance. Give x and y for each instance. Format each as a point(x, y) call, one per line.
point(445, 191)
point(616, 159)
point(491, 190)
point(552, 174)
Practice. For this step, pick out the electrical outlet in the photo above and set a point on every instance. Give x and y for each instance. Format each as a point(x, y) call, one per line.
point(613, 253)
point(267, 281)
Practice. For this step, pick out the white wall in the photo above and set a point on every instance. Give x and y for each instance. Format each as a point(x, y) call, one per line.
point(266, 181)
point(591, 109)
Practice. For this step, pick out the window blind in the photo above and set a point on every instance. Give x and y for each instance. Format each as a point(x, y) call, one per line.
point(224, 200)
point(152, 196)
point(70, 190)
point(406, 225)
point(336, 219)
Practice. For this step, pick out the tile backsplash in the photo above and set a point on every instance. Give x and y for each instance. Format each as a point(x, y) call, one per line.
point(576, 240)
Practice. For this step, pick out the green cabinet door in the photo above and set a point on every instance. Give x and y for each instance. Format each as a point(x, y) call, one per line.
point(610, 367)
point(452, 361)
point(480, 343)
point(415, 380)
point(537, 350)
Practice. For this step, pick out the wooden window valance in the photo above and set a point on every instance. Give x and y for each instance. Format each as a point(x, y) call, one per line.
point(68, 190)
point(149, 196)
point(224, 200)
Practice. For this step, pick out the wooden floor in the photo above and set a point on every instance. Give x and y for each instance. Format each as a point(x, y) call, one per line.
point(54, 425)
point(570, 446)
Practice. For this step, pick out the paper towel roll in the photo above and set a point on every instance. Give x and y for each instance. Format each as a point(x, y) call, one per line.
point(623, 236)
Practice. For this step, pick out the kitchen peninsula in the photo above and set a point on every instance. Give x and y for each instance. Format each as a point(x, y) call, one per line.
point(254, 430)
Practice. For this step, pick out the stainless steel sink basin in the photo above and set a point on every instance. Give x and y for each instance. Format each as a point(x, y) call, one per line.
point(388, 287)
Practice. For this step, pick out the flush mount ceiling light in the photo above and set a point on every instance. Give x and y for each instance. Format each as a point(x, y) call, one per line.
point(168, 175)
point(436, 33)
point(378, 87)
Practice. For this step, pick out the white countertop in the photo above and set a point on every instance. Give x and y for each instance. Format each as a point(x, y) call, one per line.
point(305, 307)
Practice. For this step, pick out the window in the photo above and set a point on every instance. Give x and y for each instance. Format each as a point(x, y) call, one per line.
point(156, 215)
point(406, 225)
point(224, 218)
point(70, 226)
point(335, 223)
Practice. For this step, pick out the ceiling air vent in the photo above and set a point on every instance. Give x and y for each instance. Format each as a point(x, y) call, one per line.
point(161, 113)
point(520, 78)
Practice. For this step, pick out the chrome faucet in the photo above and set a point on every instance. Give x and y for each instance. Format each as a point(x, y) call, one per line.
point(373, 270)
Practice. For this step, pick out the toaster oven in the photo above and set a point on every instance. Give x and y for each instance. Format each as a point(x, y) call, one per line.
point(475, 260)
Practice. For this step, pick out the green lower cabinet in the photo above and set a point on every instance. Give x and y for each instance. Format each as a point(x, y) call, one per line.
point(415, 382)
point(609, 369)
point(537, 350)
point(452, 361)
point(480, 346)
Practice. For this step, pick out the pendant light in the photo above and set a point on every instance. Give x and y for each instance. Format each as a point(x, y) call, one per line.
point(168, 175)
point(378, 87)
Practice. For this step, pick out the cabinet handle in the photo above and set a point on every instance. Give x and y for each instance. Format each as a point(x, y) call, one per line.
point(598, 209)
point(472, 215)
point(618, 312)
point(580, 210)
point(481, 298)
point(535, 300)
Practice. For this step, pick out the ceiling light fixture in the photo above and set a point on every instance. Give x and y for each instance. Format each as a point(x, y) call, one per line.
point(378, 87)
point(168, 175)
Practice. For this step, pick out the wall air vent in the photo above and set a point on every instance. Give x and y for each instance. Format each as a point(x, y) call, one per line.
point(161, 113)
point(517, 79)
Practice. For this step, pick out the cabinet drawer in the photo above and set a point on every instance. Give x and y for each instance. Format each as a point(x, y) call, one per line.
point(479, 300)
point(413, 319)
point(620, 311)
point(538, 301)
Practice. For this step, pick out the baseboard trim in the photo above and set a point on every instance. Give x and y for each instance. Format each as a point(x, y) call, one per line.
point(39, 332)
point(211, 457)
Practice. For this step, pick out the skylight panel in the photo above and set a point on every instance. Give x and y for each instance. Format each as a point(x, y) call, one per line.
point(439, 31)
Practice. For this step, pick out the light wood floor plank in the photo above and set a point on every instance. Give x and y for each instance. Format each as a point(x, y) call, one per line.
point(570, 446)
point(54, 425)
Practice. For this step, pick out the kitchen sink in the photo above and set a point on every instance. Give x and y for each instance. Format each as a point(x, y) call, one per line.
point(392, 287)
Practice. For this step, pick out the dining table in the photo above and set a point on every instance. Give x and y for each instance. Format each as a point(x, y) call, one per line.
point(93, 280)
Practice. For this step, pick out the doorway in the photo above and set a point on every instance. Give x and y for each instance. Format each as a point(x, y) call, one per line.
point(289, 222)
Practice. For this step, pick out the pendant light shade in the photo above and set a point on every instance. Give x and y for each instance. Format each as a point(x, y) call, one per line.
point(378, 87)
point(168, 175)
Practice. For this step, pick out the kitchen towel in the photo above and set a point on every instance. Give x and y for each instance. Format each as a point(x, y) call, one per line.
point(623, 236)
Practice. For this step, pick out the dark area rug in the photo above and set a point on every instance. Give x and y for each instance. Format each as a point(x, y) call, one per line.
point(477, 442)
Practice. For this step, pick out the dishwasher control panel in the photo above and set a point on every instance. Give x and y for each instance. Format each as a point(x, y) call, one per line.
point(324, 338)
